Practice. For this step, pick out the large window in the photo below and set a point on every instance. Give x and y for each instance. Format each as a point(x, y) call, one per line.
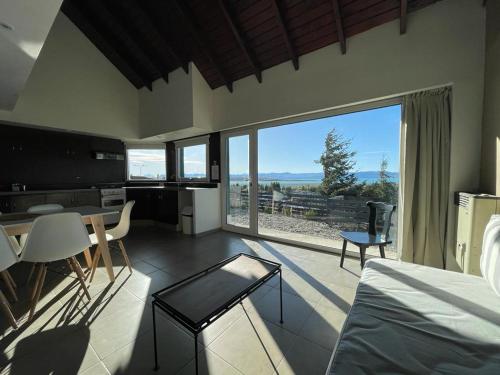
point(192, 159)
point(309, 181)
point(146, 163)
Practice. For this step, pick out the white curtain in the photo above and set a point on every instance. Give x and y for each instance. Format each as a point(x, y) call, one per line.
point(425, 176)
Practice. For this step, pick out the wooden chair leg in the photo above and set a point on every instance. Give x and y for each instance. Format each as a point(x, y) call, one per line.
point(4, 304)
point(38, 290)
point(8, 284)
point(30, 275)
point(37, 280)
point(382, 250)
point(88, 258)
point(80, 275)
point(344, 248)
point(95, 262)
point(11, 279)
point(125, 256)
point(362, 252)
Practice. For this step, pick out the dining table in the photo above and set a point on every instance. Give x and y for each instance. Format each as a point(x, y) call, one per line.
point(19, 223)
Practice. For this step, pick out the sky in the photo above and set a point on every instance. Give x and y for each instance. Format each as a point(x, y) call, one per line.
point(293, 148)
point(149, 163)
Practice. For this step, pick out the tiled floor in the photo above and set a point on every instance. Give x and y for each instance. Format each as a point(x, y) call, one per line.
point(112, 333)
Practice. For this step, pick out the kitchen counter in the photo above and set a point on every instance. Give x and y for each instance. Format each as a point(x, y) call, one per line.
point(33, 192)
point(172, 188)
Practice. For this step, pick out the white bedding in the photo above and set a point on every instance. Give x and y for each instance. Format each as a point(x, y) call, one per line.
point(411, 319)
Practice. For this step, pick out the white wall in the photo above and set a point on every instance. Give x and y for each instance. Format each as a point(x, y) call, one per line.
point(444, 44)
point(169, 107)
point(73, 86)
point(490, 174)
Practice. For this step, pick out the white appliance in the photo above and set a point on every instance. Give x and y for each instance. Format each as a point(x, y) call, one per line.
point(113, 198)
point(474, 212)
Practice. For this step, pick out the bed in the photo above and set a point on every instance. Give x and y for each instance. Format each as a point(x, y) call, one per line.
point(412, 319)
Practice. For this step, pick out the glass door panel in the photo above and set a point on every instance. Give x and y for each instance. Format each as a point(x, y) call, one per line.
point(238, 181)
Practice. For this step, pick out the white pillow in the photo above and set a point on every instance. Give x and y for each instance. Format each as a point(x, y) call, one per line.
point(490, 256)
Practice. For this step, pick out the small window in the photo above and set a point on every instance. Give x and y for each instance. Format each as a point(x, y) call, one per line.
point(192, 159)
point(146, 164)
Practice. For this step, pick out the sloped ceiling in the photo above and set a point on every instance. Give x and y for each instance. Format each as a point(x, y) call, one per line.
point(226, 39)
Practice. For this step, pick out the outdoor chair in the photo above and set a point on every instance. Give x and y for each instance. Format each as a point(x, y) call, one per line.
point(379, 225)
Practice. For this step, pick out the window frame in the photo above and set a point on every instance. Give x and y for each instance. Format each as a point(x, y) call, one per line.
point(158, 146)
point(198, 141)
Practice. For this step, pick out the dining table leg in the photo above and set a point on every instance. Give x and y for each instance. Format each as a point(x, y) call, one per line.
point(100, 232)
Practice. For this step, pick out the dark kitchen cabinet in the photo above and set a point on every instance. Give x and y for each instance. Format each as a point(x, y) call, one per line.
point(142, 207)
point(166, 202)
point(5, 206)
point(154, 204)
point(88, 198)
point(64, 199)
point(21, 203)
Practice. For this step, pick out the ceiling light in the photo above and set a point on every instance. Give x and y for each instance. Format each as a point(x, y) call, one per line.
point(6, 26)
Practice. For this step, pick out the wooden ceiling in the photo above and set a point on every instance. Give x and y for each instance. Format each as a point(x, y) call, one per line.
point(226, 39)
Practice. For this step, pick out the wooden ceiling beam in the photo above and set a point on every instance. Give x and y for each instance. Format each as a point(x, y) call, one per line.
point(71, 10)
point(128, 32)
point(403, 19)
point(250, 57)
point(286, 36)
point(161, 35)
point(339, 26)
point(201, 41)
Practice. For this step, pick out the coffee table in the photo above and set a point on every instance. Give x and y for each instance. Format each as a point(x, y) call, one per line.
point(201, 299)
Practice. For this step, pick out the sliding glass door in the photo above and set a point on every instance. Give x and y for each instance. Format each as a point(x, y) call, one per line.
point(238, 187)
point(308, 181)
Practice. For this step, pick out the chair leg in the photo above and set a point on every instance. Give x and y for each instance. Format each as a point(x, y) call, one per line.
point(38, 290)
point(95, 262)
point(7, 280)
point(88, 258)
point(11, 279)
point(32, 271)
point(344, 248)
point(382, 250)
point(125, 256)
point(80, 274)
point(4, 304)
point(37, 280)
point(362, 251)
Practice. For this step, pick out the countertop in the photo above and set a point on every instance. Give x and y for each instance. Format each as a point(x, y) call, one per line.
point(146, 187)
point(33, 192)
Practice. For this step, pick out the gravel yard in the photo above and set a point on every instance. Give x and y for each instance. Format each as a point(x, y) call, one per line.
point(294, 224)
point(298, 226)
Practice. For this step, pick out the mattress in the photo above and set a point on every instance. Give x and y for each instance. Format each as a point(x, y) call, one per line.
point(412, 319)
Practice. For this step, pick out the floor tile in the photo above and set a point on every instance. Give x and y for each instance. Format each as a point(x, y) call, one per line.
point(175, 350)
point(323, 326)
point(253, 345)
point(305, 358)
point(209, 363)
point(295, 310)
point(116, 331)
point(56, 353)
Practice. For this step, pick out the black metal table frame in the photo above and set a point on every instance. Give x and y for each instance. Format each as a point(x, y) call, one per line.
point(197, 327)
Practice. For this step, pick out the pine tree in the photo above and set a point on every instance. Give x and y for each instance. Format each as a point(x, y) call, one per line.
point(337, 161)
point(382, 174)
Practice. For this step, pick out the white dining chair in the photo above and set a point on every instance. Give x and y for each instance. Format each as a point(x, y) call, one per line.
point(8, 257)
point(5, 275)
point(115, 234)
point(51, 238)
point(45, 208)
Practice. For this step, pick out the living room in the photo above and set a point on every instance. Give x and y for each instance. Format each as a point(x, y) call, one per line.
point(197, 146)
